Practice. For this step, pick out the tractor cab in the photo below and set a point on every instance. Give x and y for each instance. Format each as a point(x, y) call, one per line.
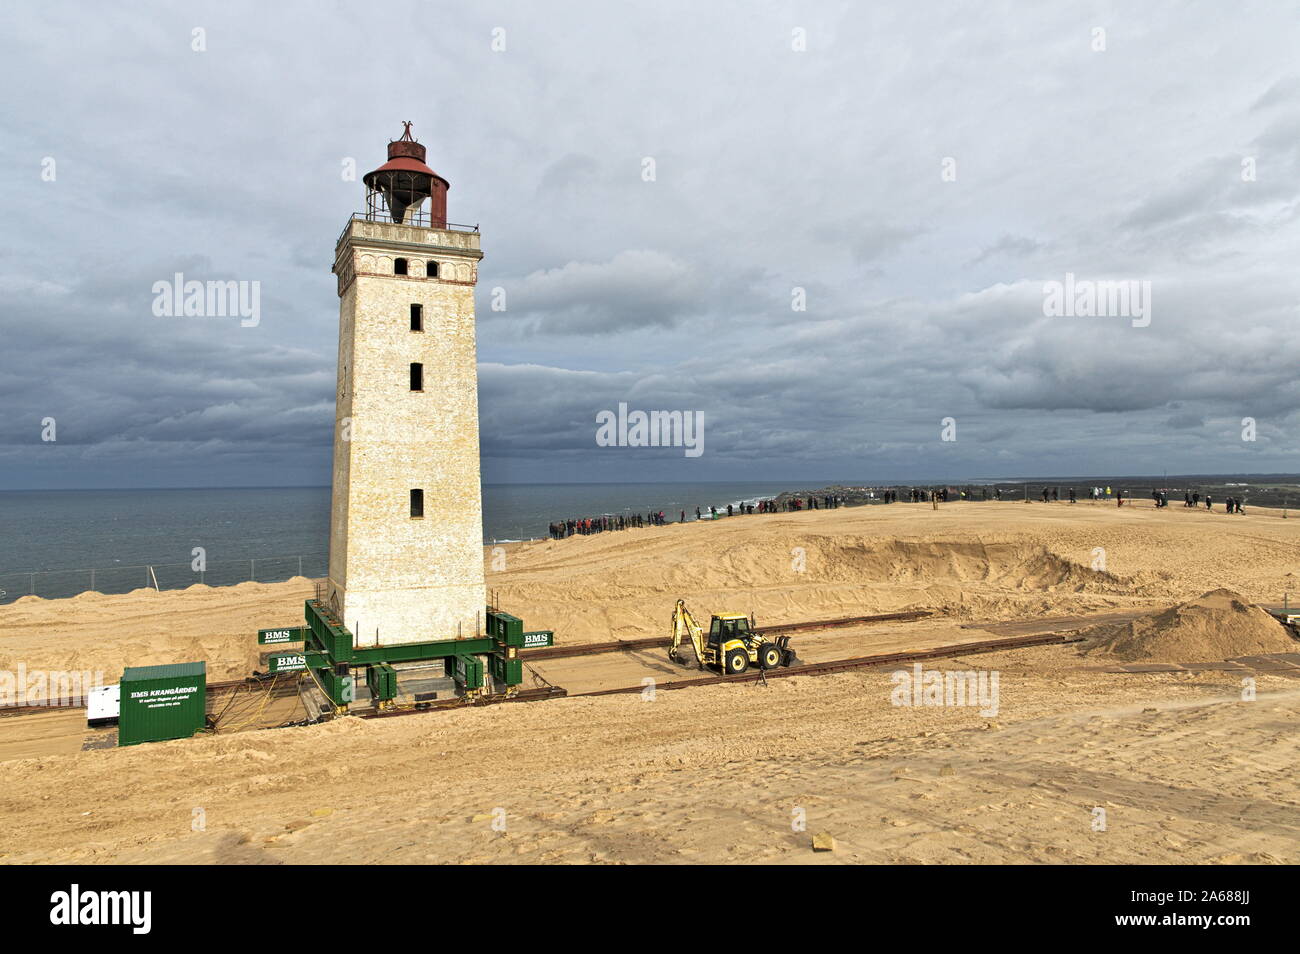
point(723, 629)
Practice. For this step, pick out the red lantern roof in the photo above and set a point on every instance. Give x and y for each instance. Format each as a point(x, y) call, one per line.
point(406, 155)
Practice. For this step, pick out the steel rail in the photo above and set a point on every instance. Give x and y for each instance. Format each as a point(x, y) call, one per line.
point(843, 665)
point(651, 642)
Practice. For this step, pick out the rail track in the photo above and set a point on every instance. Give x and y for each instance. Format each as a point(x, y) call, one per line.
point(632, 645)
point(808, 669)
point(856, 662)
point(539, 694)
point(547, 692)
point(554, 652)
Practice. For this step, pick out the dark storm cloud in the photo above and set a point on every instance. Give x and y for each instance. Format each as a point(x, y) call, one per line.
point(779, 177)
point(636, 289)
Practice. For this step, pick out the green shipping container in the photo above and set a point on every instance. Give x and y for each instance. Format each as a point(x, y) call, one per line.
point(162, 702)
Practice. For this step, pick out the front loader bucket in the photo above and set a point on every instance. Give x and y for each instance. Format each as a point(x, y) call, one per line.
point(788, 656)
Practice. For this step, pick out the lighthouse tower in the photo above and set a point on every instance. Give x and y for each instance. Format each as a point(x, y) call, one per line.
point(406, 523)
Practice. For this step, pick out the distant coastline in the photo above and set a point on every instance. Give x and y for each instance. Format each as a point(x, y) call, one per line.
point(56, 543)
point(1127, 479)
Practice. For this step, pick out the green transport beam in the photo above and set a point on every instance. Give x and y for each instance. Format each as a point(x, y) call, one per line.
point(329, 651)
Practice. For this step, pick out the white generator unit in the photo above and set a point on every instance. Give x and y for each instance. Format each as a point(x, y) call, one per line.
point(103, 706)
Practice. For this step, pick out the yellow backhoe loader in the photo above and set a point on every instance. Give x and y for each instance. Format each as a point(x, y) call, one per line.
point(731, 646)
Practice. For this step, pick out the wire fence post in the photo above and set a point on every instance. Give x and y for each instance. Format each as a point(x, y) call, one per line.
point(63, 584)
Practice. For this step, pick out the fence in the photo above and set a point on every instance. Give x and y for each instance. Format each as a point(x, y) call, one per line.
point(58, 584)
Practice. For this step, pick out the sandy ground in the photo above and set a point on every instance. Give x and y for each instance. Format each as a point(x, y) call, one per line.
point(967, 561)
point(1184, 769)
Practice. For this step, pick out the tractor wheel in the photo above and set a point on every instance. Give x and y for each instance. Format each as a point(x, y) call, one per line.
point(736, 662)
point(769, 657)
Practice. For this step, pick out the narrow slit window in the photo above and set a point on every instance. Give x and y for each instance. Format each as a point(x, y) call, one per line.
point(399, 266)
point(417, 376)
point(417, 317)
point(417, 503)
point(431, 269)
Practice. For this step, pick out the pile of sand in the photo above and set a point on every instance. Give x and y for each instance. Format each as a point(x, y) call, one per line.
point(623, 585)
point(1215, 626)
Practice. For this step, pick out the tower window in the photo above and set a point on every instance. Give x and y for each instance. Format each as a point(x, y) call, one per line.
point(417, 317)
point(431, 269)
point(399, 266)
point(417, 503)
point(417, 376)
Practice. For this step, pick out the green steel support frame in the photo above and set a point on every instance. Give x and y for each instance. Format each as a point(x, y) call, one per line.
point(331, 654)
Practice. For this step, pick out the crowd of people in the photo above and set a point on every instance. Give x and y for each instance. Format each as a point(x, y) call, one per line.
point(582, 526)
point(587, 525)
point(1191, 498)
point(933, 495)
point(794, 504)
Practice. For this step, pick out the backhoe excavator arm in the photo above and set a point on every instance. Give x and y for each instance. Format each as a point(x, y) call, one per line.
point(685, 628)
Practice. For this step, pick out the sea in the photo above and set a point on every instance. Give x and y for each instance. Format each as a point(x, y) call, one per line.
point(63, 542)
point(59, 543)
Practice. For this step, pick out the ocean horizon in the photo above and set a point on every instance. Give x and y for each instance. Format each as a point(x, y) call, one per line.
point(57, 543)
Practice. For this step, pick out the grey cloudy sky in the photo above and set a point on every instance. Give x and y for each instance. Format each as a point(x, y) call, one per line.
point(776, 169)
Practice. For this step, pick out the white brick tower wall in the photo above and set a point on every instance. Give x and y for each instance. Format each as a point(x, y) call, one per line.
point(395, 578)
